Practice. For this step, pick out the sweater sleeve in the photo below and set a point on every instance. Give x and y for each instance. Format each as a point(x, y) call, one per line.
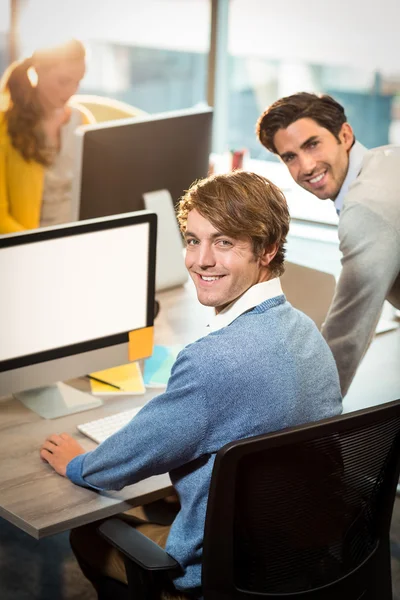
point(7, 223)
point(167, 433)
point(370, 247)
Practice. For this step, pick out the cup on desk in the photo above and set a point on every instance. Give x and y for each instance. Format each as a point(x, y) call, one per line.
point(238, 158)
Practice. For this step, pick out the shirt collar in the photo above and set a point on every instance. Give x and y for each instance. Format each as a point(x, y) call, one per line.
point(356, 157)
point(252, 297)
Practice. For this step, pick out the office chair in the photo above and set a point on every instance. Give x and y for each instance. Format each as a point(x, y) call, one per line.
point(106, 109)
point(300, 513)
point(309, 290)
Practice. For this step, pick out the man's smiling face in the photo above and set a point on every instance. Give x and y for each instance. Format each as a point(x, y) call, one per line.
point(222, 267)
point(316, 159)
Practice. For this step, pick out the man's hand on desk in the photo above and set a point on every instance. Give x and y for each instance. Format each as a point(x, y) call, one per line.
point(58, 450)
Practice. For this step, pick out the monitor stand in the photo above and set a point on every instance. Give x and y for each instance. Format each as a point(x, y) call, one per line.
point(57, 400)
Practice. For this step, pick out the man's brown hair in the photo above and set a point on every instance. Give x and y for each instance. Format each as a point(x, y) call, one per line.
point(241, 203)
point(323, 109)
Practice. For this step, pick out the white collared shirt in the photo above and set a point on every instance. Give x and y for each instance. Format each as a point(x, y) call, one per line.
point(260, 292)
point(356, 157)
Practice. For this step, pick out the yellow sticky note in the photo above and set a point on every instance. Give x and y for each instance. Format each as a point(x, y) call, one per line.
point(128, 378)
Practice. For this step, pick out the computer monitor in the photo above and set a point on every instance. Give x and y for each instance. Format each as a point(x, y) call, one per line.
point(117, 162)
point(76, 298)
point(146, 162)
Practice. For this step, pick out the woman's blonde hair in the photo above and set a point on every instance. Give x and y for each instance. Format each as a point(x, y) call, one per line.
point(23, 111)
point(241, 204)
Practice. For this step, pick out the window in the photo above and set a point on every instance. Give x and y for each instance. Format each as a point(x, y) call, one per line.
point(282, 48)
point(5, 19)
point(148, 54)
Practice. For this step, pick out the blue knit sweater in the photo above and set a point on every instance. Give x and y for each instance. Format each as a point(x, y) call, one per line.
point(269, 369)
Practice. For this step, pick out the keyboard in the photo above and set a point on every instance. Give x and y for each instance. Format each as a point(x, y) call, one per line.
point(100, 429)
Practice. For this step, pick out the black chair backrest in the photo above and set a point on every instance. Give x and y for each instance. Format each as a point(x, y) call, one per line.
point(304, 511)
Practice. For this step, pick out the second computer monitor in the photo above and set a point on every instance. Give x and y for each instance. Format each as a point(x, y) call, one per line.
point(119, 161)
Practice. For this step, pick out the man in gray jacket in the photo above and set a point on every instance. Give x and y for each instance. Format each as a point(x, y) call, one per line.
point(311, 135)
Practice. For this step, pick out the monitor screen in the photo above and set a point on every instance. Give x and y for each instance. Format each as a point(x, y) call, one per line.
point(119, 161)
point(76, 295)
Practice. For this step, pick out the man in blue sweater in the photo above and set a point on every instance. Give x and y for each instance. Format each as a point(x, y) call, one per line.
point(263, 366)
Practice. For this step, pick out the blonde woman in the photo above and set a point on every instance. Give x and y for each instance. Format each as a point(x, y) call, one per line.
point(37, 125)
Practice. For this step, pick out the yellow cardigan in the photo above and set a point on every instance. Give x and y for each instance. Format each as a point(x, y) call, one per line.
point(21, 183)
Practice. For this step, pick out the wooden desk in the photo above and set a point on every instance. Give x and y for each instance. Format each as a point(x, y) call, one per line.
point(37, 500)
point(378, 377)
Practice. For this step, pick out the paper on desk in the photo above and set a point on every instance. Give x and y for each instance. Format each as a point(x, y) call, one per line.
point(385, 325)
point(128, 377)
point(157, 368)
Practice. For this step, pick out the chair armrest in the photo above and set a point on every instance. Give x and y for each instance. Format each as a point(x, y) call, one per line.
point(136, 546)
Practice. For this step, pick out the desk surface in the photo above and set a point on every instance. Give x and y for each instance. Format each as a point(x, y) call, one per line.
point(32, 495)
point(36, 499)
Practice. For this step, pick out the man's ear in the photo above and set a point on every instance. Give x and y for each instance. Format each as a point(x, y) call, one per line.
point(268, 254)
point(346, 135)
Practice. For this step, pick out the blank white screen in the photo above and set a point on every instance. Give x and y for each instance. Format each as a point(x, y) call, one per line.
point(73, 289)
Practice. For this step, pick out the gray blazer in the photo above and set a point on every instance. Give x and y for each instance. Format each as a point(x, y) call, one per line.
point(369, 234)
